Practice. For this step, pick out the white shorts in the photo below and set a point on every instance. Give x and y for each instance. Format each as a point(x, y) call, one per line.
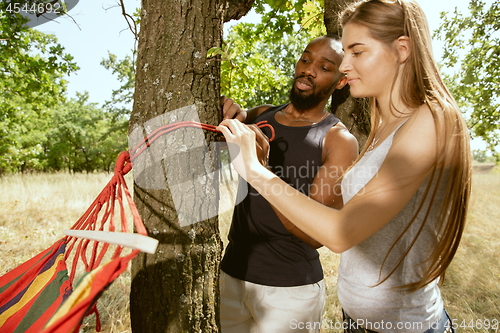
point(255, 308)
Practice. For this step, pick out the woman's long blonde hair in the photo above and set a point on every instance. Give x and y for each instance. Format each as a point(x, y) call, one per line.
point(387, 20)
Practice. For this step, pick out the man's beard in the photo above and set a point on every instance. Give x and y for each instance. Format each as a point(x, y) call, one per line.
point(303, 101)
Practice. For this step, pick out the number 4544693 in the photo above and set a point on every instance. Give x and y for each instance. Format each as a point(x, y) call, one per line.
point(476, 324)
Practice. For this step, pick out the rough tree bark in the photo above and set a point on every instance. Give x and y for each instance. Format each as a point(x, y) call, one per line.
point(353, 112)
point(176, 289)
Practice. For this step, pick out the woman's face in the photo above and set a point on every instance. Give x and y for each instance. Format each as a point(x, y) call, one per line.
point(369, 64)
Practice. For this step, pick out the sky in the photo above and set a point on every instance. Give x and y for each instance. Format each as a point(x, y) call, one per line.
point(101, 28)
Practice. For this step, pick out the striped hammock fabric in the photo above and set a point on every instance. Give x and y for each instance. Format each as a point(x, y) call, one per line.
point(32, 292)
point(37, 296)
point(82, 301)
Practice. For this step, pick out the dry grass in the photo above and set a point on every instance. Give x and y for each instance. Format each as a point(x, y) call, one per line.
point(471, 290)
point(34, 212)
point(35, 209)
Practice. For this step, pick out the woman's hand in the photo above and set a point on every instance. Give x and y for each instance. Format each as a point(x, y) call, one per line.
point(242, 144)
point(261, 144)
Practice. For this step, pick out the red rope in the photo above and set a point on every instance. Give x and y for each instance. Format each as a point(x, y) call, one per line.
point(113, 192)
point(146, 142)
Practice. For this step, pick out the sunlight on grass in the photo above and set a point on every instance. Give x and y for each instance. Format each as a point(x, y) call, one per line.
point(472, 287)
point(35, 210)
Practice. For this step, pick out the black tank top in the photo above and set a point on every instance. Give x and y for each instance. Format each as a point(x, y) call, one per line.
point(260, 249)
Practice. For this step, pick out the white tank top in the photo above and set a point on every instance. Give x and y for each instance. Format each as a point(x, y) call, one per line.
point(382, 308)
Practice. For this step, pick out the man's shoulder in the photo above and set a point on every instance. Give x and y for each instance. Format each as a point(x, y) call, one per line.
point(340, 132)
point(265, 107)
point(338, 138)
point(256, 111)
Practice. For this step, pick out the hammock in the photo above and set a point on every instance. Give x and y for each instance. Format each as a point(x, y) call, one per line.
point(37, 296)
point(34, 291)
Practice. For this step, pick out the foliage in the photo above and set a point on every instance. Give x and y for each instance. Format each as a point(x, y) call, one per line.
point(313, 21)
point(121, 99)
point(120, 105)
point(472, 43)
point(258, 73)
point(281, 18)
point(39, 128)
point(86, 138)
point(32, 67)
point(481, 157)
point(259, 59)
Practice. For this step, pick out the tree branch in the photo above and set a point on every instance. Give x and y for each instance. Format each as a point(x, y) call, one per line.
point(236, 9)
point(133, 29)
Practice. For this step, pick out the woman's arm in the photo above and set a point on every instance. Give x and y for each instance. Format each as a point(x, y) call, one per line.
point(340, 149)
point(405, 168)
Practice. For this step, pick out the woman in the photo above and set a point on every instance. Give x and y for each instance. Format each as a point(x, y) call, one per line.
point(407, 194)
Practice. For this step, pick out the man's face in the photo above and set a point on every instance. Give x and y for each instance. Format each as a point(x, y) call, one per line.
point(316, 73)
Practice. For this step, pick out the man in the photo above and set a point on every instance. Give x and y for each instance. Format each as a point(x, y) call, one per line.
point(271, 279)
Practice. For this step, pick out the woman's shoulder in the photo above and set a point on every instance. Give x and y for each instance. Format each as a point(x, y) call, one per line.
point(417, 139)
point(426, 132)
point(420, 124)
point(435, 114)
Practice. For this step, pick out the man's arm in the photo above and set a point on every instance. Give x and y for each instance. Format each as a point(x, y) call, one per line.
point(340, 149)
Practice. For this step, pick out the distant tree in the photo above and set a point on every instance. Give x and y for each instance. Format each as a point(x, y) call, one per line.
point(472, 50)
point(479, 155)
point(84, 138)
point(120, 104)
point(32, 67)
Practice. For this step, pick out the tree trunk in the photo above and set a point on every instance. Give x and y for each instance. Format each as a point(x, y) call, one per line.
point(176, 289)
point(353, 112)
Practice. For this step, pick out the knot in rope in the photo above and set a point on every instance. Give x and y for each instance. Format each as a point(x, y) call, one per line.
point(123, 165)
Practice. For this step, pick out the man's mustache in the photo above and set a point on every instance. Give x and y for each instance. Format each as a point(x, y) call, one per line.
point(307, 78)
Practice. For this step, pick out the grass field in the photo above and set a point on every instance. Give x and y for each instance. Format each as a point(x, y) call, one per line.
point(35, 209)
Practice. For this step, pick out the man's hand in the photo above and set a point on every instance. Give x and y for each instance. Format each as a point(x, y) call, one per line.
point(231, 110)
point(262, 145)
